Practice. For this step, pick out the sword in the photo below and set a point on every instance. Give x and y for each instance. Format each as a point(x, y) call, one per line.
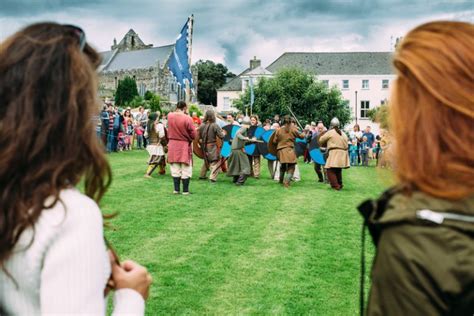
point(220, 165)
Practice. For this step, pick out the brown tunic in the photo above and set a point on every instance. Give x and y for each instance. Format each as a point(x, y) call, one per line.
point(208, 134)
point(285, 140)
point(337, 145)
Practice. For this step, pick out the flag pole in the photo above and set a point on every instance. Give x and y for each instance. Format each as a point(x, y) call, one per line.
point(190, 49)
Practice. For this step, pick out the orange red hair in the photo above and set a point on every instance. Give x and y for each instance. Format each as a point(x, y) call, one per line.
point(432, 110)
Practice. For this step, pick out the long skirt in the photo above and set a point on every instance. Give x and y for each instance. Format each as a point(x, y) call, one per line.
point(238, 164)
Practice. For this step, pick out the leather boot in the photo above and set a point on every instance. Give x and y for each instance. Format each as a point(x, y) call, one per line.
point(235, 179)
point(241, 179)
point(186, 186)
point(176, 182)
point(282, 177)
point(287, 181)
point(333, 180)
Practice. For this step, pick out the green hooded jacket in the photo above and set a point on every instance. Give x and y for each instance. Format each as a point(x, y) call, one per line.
point(424, 264)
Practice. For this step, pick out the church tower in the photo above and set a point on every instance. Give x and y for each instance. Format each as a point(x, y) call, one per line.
point(131, 41)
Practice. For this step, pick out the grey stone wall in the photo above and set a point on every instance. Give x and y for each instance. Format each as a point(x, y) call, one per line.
point(155, 79)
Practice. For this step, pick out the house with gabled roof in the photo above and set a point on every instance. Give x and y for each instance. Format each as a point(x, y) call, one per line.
point(364, 78)
point(232, 89)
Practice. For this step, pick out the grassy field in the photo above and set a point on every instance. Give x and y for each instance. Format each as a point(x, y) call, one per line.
point(256, 249)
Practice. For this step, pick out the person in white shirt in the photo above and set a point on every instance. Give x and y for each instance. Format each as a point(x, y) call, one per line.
point(53, 258)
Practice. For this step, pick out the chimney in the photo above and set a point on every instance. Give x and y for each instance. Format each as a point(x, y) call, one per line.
point(254, 63)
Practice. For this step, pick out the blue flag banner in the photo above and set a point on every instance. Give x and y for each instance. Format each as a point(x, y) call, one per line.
point(178, 62)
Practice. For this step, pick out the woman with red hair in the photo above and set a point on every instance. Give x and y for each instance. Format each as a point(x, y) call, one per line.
point(423, 228)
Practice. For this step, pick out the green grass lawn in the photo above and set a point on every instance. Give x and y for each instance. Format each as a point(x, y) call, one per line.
point(256, 249)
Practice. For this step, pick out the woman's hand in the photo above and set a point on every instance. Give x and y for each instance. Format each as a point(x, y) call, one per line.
point(131, 275)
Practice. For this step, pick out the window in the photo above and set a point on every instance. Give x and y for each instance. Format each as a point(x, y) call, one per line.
point(326, 83)
point(365, 84)
point(364, 108)
point(245, 84)
point(141, 89)
point(385, 84)
point(345, 84)
point(226, 104)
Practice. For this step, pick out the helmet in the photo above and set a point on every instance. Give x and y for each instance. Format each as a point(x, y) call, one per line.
point(334, 122)
point(246, 121)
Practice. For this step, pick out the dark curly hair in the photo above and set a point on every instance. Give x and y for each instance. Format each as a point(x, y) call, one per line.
point(48, 95)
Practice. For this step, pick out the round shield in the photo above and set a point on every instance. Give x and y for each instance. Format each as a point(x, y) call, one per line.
point(272, 147)
point(230, 130)
point(226, 149)
point(300, 146)
point(259, 132)
point(253, 149)
point(250, 148)
point(197, 148)
point(263, 148)
point(315, 153)
point(251, 131)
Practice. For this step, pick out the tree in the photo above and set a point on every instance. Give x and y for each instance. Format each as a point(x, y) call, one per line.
point(136, 102)
point(154, 103)
point(309, 99)
point(126, 91)
point(211, 76)
point(195, 108)
point(148, 95)
point(380, 115)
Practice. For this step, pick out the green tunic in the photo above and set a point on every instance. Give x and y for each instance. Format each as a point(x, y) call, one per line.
point(238, 162)
point(424, 263)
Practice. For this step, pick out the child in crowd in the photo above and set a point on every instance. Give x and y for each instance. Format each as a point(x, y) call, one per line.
point(377, 149)
point(139, 133)
point(364, 151)
point(121, 141)
point(127, 141)
point(354, 152)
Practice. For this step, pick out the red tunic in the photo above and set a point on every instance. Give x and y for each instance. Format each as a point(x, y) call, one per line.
point(181, 132)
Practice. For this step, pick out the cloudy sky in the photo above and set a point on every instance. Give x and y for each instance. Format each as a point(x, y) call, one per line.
point(233, 31)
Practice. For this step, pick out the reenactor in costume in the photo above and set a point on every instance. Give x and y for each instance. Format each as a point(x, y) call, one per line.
point(337, 144)
point(156, 145)
point(209, 135)
point(181, 133)
point(285, 144)
point(254, 159)
point(318, 168)
point(238, 162)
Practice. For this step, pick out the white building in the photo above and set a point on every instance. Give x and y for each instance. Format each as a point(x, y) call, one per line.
point(364, 79)
point(236, 86)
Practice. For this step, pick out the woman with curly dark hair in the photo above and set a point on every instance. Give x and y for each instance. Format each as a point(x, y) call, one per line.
point(53, 258)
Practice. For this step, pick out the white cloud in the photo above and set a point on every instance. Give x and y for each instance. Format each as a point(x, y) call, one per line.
point(235, 31)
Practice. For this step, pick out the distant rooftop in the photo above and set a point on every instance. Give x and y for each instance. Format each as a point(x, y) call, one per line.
point(235, 84)
point(345, 63)
point(259, 71)
point(136, 59)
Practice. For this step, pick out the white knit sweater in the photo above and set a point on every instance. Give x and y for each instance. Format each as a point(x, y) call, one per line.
point(65, 269)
